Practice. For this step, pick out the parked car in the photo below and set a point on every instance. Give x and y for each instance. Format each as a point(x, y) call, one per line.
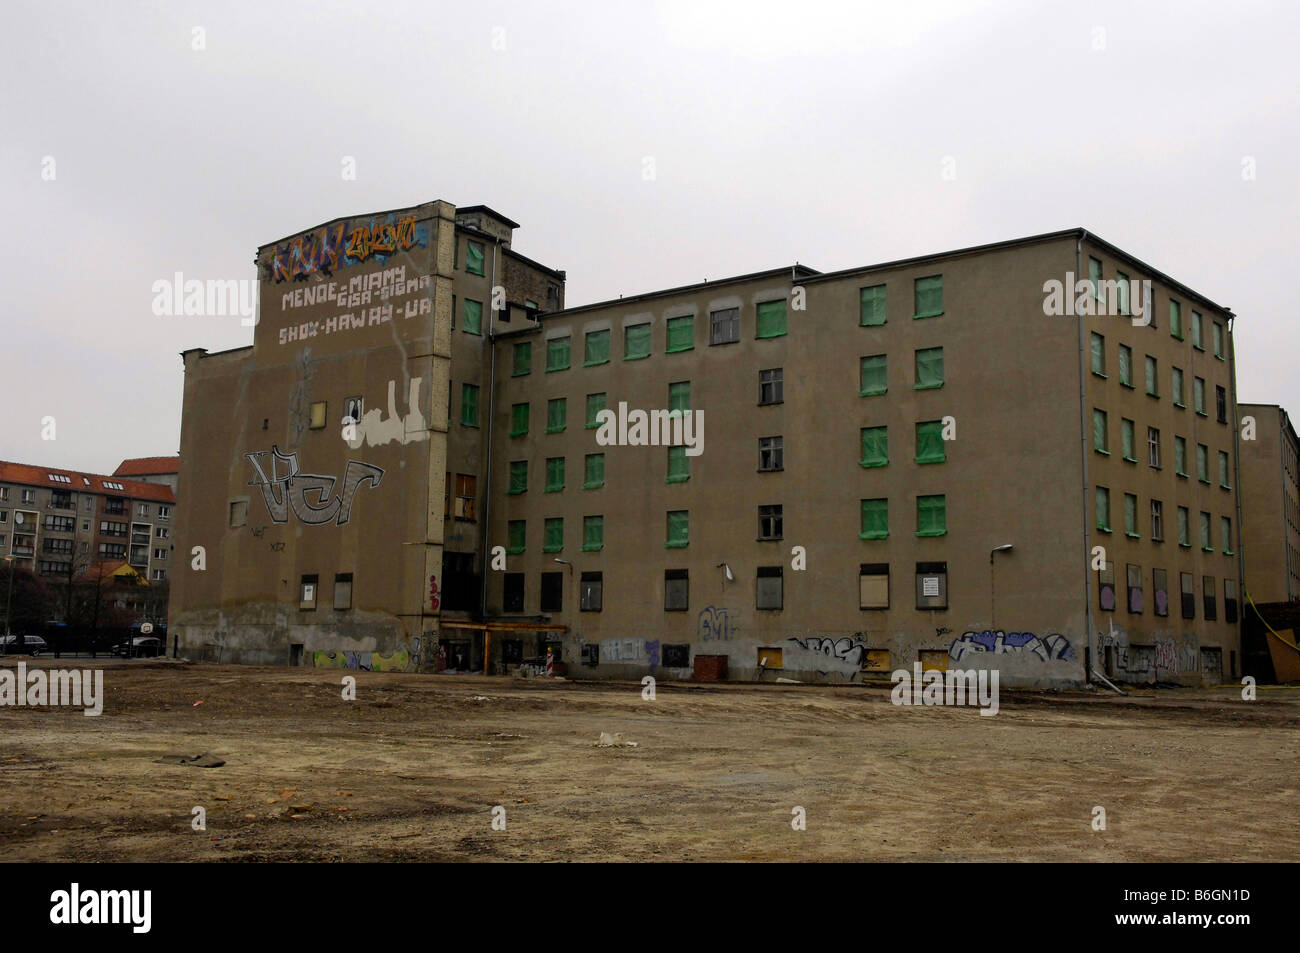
point(31, 645)
point(139, 647)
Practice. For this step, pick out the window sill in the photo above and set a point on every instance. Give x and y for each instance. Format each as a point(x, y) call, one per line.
point(593, 549)
point(511, 551)
point(545, 550)
point(470, 426)
point(721, 343)
point(515, 492)
point(921, 460)
point(774, 469)
point(519, 433)
point(1224, 486)
point(1180, 405)
point(552, 370)
point(1199, 347)
point(873, 536)
point(873, 393)
point(1207, 549)
point(768, 337)
point(928, 314)
point(477, 334)
point(1103, 529)
point(1153, 394)
point(678, 350)
point(1206, 482)
point(677, 479)
point(554, 430)
point(592, 486)
point(1129, 459)
point(520, 373)
point(870, 324)
point(871, 466)
point(635, 357)
point(927, 386)
point(1181, 474)
point(591, 426)
point(1201, 413)
point(554, 489)
point(1133, 535)
point(768, 539)
point(940, 532)
point(676, 545)
point(1104, 453)
point(1128, 385)
point(775, 403)
point(595, 363)
point(1184, 545)
point(1220, 357)
point(1101, 375)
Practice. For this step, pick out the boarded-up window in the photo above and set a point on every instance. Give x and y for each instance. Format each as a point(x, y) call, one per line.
point(769, 588)
point(512, 596)
point(677, 590)
point(317, 415)
point(238, 513)
point(873, 586)
point(770, 657)
point(343, 590)
point(932, 585)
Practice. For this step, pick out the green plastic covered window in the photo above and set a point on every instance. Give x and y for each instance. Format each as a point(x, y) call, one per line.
point(681, 334)
point(1184, 527)
point(554, 535)
point(1218, 340)
point(1180, 456)
point(518, 476)
point(636, 342)
point(875, 446)
point(1126, 439)
point(875, 519)
point(1102, 506)
point(929, 368)
point(679, 529)
point(1100, 441)
point(1153, 379)
point(929, 442)
point(872, 376)
point(1223, 470)
point(1098, 354)
point(929, 296)
point(1130, 515)
point(473, 317)
point(1198, 395)
point(596, 348)
point(593, 534)
point(771, 319)
point(1175, 319)
point(474, 258)
point(594, 475)
point(557, 354)
point(873, 306)
point(469, 405)
point(523, 365)
point(518, 420)
point(679, 465)
point(1176, 382)
point(679, 396)
point(556, 414)
point(554, 474)
point(595, 404)
point(516, 536)
point(1126, 365)
point(931, 515)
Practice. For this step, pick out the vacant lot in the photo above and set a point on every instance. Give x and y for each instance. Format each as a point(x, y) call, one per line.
point(413, 768)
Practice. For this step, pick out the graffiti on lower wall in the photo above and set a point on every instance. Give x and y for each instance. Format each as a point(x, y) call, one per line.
point(363, 661)
point(374, 429)
point(630, 651)
point(825, 655)
point(309, 495)
point(1050, 648)
point(1176, 656)
point(714, 623)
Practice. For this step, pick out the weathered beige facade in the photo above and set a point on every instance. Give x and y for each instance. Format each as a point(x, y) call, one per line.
point(1270, 500)
point(929, 415)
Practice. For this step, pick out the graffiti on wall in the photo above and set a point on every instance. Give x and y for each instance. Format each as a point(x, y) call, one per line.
point(1051, 648)
point(630, 651)
point(309, 495)
point(331, 247)
point(716, 623)
point(1166, 655)
point(363, 661)
point(376, 430)
point(826, 655)
point(1181, 655)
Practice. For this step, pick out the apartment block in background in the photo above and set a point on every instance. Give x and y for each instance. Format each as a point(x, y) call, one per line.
point(1270, 501)
point(162, 470)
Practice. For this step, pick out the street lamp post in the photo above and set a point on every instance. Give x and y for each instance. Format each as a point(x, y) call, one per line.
point(577, 601)
point(993, 613)
point(9, 600)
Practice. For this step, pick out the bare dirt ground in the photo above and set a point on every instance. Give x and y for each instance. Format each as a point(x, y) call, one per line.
point(412, 769)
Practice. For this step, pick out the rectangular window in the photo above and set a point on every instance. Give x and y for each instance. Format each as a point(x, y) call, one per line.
point(342, 591)
point(932, 585)
point(557, 354)
point(596, 348)
point(1094, 277)
point(1223, 470)
point(930, 445)
point(516, 536)
point(593, 534)
point(1157, 521)
point(518, 419)
point(679, 465)
point(872, 307)
point(873, 586)
point(592, 593)
point(1229, 600)
point(1100, 431)
point(770, 521)
point(1126, 439)
point(1176, 382)
point(1197, 331)
point(679, 396)
point(929, 296)
point(636, 342)
point(523, 359)
point(875, 519)
point(1218, 340)
point(1198, 395)
point(1184, 527)
point(681, 334)
point(1098, 354)
point(679, 529)
point(1180, 456)
point(1225, 535)
point(554, 474)
point(1175, 319)
point(1121, 289)
point(771, 386)
point(238, 513)
point(593, 476)
point(512, 592)
point(307, 592)
point(1221, 404)
point(473, 313)
point(1126, 365)
point(317, 423)
point(875, 446)
point(1205, 533)
point(769, 589)
point(1101, 504)
point(552, 594)
point(1208, 590)
point(677, 590)
point(595, 404)
point(871, 374)
point(771, 453)
point(771, 319)
point(1203, 463)
point(553, 535)
point(1188, 595)
point(931, 515)
point(556, 414)
point(474, 257)
point(1131, 515)
point(518, 477)
point(724, 326)
point(1153, 447)
point(1153, 380)
point(1160, 591)
point(929, 368)
point(1134, 585)
point(469, 405)
point(466, 494)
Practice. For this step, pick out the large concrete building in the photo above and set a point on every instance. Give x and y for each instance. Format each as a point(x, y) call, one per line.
point(1270, 501)
point(906, 462)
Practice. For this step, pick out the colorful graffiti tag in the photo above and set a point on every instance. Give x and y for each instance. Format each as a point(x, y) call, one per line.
point(363, 661)
point(337, 245)
point(294, 490)
point(716, 623)
point(1051, 648)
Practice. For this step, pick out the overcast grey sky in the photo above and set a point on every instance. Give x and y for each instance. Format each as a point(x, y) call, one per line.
point(807, 131)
